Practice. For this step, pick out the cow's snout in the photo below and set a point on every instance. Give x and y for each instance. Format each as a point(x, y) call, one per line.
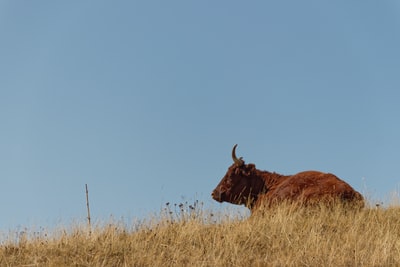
point(216, 195)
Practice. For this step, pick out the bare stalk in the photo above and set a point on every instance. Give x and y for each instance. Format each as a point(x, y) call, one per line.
point(87, 205)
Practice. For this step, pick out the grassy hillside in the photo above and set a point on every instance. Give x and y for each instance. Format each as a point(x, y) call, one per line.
point(287, 236)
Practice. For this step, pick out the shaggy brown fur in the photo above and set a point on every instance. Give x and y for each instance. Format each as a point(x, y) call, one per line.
point(244, 184)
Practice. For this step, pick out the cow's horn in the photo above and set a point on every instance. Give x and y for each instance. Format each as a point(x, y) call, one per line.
point(237, 161)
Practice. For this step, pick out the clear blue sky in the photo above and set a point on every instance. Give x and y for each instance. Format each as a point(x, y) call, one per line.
point(143, 100)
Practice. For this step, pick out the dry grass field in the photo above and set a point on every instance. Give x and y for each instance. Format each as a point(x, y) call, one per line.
point(286, 236)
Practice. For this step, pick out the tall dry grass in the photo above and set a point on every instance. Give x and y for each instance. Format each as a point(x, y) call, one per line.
point(286, 236)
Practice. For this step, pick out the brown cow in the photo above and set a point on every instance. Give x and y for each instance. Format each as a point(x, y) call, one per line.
point(244, 184)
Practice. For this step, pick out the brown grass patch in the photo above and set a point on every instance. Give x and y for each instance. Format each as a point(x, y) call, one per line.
point(286, 236)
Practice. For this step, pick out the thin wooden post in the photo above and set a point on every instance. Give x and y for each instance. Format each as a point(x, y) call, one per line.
point(87, 205)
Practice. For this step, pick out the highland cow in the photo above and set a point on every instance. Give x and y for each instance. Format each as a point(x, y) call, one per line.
point(243, 184)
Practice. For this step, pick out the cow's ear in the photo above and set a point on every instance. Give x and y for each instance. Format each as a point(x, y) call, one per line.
point(251, 167)
point(249, 170)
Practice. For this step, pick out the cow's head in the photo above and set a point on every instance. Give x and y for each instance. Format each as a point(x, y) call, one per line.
point(237, 186)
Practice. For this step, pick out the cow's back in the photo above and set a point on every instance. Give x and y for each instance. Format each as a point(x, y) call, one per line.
point(309, 187)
